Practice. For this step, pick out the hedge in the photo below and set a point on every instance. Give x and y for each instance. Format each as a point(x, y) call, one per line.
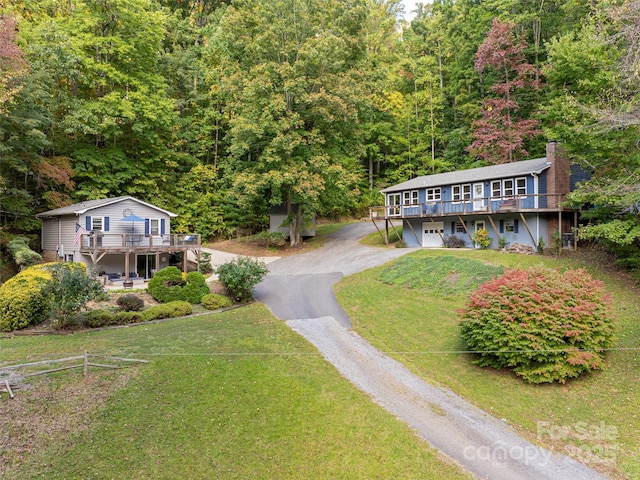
point(22, 301)
point(177, 308)
point(105, 318)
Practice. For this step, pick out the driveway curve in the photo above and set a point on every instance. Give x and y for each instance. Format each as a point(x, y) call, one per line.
point(299, 290)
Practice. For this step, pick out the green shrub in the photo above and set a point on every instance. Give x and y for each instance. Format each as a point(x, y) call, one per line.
point(170, 284)
point(204, 266)
point(239, 276)
point(101, 318)
point(212, 301)
point(482, 238)
point(176, 308)
point(69, 289)
point(124, 318)
point(270, 239)
point(22, 253)
point(130, 302)
point(195, 288)
point(107, 318)
point(23, 301)
point(546, 325)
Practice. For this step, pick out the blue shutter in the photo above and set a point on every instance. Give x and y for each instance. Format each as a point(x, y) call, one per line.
point(88, 224)
point(501, 226)
point(515, 226)
point(106, 224)
point(162, 226)
point(146, 226)
point(453, 228)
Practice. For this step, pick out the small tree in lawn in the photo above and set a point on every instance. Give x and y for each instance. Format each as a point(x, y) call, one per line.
point(499, 134)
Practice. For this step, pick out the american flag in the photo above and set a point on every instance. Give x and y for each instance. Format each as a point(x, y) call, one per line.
point(79, 231)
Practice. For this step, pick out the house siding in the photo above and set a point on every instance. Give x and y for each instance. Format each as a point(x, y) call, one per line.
point(527, 197)
point(537, 224)
point(578, 174)
point(114, 213)
point(59, 231)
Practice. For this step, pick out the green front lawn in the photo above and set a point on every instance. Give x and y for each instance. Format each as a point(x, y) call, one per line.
point(239, 395)
point(233, 395)
point(599, 412)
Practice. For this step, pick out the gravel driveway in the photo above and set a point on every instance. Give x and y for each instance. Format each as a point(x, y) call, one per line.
point(299, 290)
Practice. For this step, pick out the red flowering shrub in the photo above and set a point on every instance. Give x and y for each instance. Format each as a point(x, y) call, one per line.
point(544, 324)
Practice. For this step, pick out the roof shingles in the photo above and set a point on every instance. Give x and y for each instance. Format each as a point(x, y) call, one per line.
point(83, 207)
point(505, 170)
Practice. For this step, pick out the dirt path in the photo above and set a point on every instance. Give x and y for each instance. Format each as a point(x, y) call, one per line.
point(299, 290)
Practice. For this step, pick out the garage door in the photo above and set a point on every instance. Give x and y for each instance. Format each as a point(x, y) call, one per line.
point(432, 233)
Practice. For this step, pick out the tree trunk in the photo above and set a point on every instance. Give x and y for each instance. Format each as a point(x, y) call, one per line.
point(294, 215)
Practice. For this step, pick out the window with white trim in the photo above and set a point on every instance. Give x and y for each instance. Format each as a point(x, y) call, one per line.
point(509, 226)
point(96, 223)
point(456, 193)
point(496, 188)
point(461, 192)
point(521, 186)
point(507, 187)
point(410, 198)
point(393, 204)
point(154, 226)
point(433, 194)
point(466, 191)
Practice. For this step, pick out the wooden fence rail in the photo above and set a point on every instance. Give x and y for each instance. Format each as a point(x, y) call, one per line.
point(10, 376)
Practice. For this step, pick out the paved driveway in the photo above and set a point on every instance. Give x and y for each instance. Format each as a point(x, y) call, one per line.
point(299, 290)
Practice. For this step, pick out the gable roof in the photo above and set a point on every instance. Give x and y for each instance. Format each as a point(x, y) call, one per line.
point(513, 169)
point(84, 207)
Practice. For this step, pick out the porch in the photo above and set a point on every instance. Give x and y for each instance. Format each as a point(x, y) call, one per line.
point(469, 206)
point(130, 258)
point(99, 242)
point(492, 210)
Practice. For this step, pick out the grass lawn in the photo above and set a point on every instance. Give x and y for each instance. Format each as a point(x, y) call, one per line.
point(233, 395)
point(595, 417)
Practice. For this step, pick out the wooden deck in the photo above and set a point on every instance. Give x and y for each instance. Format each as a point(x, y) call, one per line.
point(113, 243)
point(477, 206)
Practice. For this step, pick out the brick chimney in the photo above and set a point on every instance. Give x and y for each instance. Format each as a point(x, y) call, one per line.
point(557, 174)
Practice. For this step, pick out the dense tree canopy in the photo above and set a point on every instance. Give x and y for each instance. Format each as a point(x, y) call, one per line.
point(221, 109)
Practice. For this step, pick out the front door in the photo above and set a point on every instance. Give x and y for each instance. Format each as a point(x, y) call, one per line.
point(478, 196)
point(432, 234)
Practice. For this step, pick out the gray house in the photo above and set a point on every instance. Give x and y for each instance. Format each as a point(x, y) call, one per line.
point(123, 238)
point(518, 202)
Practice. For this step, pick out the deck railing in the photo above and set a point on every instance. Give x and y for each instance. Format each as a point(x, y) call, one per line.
point(106, 241)
point(470, 206)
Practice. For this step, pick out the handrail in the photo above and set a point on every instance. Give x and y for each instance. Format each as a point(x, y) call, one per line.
point(136, 240)
point(469, 206)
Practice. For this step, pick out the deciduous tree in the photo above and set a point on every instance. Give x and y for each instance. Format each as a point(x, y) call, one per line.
point(291, 70)
point(500, 134)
